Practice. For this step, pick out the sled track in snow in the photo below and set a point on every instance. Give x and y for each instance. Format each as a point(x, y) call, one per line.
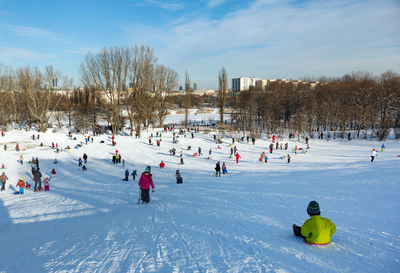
point(153, 244)
point(182, 240)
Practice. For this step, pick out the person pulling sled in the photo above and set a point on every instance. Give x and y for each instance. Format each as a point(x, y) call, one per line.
point(145, 182)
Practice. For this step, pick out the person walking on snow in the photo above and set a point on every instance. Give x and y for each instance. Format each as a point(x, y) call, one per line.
point(383, 147)
point(53, 173)
point(134, 173)
point(217, 169)
point(38, 180)
point(316, 230)
point(21, 185)
point(162, 164)
point(85, 157)
point(262, 157)
point(288, 158)
point(224, 170)
point(80, 162)
point(145, 182)
point(237, 158)
point(373, 155)
point(199, 151)
point(3, 180)
point(178, 176)
point(126, 175)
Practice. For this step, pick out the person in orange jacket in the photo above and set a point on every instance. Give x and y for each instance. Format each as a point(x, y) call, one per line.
point(21, 185)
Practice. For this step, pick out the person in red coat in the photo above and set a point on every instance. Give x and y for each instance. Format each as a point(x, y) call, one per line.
point(237, 158)
point(145, 182)
point(162, 164)
point(53, 173)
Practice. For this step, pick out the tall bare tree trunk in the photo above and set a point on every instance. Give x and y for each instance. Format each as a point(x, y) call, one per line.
point(187, 98)
point(223, 86)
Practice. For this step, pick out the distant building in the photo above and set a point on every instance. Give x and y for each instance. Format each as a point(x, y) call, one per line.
point(243, 84)
point(180, 87)
point(194, 86)
point(261, 84)
point(246, 83)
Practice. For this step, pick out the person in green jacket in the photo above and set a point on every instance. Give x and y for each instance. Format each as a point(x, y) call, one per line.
point(316, 230)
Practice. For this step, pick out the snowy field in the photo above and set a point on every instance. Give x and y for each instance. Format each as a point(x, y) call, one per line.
point(206, 117)
point(91, 222)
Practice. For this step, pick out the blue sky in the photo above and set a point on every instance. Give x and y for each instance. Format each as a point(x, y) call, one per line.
point(258, 38)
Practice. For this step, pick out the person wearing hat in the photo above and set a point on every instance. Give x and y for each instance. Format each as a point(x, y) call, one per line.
point(145, 182)
point(21, 185)
point(316, 230)
point(373, 155)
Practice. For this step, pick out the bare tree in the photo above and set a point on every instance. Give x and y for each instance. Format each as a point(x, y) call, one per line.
point(188, 95)
point(108, 71)
point(166, 80)
point(222, 88)
point(141, 77)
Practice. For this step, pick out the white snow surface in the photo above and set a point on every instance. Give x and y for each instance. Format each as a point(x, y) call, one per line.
point(240, 222)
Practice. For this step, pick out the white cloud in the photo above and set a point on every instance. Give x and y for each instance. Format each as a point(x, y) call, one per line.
point(214, 3)
point(281, 39)
point(11, 54)
point(82, 50)
point(38, 33)
point(168, 5)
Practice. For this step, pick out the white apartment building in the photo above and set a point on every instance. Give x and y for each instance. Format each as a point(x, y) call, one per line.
point(261, 84)
point(242, 84)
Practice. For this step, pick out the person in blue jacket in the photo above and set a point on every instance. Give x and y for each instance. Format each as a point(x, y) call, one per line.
point(134, 173)
point(126, 175)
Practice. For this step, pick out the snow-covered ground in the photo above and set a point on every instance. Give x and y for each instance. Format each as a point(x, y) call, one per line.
point(91, 222)
point(207, 116)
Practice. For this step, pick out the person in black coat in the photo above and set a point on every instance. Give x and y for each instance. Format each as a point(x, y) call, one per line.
point(217, 169)
point(85, 157)
point(179, 179)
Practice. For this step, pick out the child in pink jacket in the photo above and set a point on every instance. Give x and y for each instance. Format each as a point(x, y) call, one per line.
point(145, 182)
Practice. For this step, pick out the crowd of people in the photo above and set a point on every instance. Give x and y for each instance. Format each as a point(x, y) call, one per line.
point(316, 230)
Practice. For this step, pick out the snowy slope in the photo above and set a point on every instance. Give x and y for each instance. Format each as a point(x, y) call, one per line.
point(241, 222)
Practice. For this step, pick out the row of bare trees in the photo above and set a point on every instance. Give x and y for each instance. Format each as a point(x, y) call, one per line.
point(119, 83)
point(133, 83)
point(354, 103)
point(26, 97)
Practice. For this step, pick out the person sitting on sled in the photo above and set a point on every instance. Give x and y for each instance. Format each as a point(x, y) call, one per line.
point(316, 230)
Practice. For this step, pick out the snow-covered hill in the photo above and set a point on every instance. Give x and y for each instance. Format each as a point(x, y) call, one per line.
point(91, 222)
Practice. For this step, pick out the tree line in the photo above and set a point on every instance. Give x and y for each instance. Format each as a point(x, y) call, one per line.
point(118, 84)
point(127, 85)
point(354, 103)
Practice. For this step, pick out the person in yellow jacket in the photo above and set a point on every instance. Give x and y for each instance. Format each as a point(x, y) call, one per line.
point(316, 230)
